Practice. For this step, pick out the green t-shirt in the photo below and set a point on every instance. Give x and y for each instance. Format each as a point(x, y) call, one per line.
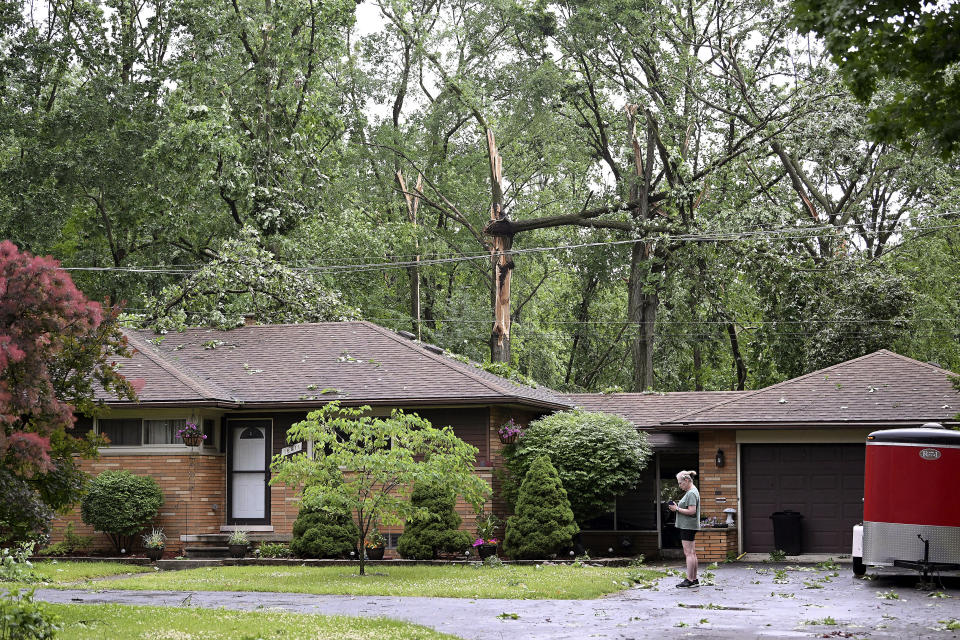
point(690, 499)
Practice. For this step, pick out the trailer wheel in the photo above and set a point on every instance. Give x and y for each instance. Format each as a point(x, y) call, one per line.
point(858, 567)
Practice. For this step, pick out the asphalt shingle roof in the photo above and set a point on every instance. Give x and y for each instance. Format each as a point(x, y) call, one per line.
point(648, 410)
point(355, 362)
point(879, 388)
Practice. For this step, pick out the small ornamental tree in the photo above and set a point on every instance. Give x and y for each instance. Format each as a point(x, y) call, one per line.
point(369, 465)
point(597, 455)
point(54, 345)
point(543, 524)
point(120, 504)
point(423, 537)
point(320, 533)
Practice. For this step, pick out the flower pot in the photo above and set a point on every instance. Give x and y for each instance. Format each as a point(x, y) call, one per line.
point(375, 553)
point(487, 550)
point(508, 439)
point(238, 550)
point(154, 553)
point(193, 441)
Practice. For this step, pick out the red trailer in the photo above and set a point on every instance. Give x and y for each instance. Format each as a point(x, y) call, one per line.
point(911, 512)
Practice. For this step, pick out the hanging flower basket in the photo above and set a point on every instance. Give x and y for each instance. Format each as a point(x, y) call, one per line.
point(509, 431)
point(510, 439)
point(191, 435)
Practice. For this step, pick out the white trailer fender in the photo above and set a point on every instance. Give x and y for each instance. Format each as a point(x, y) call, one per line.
point(857, 541)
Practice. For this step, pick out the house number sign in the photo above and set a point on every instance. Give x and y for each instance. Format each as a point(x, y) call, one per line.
point(930, 454)
point(292, 449)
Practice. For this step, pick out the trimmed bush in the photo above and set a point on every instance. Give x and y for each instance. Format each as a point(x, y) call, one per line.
point(324, 534)
point(121, 504)
point(543, 524)
point(598, 457)
point(438, 530)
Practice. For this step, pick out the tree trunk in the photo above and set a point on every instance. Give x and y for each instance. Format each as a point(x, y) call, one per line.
point(502, 263)
point(642, 313)
point(697, 367)
point(740, 367)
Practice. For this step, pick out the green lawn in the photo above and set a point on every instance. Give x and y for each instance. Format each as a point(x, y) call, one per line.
point(123, 622)
point(562, 582)
point(61, 572)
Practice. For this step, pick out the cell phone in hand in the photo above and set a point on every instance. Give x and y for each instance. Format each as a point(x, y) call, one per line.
point(671, 502)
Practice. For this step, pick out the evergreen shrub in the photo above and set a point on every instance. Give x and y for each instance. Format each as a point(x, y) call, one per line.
point(543, 524)
point(323, 533)
point(121, 504)
point(437, 530)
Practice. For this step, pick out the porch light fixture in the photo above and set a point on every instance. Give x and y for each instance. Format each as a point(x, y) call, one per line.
point(720, 459)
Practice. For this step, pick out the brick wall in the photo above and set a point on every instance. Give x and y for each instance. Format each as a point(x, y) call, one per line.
point(718, 491)
point(714, 545)
point(718, 486)
point(191, 484)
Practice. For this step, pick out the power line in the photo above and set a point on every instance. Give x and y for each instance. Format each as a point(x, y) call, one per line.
point(795, 233)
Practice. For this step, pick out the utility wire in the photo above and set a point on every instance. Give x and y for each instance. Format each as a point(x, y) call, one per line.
point(784, 233)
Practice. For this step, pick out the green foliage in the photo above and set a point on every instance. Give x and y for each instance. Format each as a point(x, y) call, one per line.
point(245, 279)
point(23, 619)
point(71, 544)
point(120, 504)
point(272, 550)
point(598, 457)
point(239, 536)
point(904, 44)
point(368, 465)
point(156, 539)
point(15, 565)
point(437, 529)
point(543, 524)
point(319, 533)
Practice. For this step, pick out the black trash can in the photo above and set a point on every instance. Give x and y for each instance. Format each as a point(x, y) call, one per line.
point(786, 531)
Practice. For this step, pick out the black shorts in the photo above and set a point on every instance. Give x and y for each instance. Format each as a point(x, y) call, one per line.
point(687, 534)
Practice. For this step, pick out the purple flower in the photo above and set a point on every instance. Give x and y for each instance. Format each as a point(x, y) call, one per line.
point(509, 429)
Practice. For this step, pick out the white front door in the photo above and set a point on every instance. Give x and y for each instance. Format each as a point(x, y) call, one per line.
point(249, 454)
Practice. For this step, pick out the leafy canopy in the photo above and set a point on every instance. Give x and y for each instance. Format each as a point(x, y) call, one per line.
point(369, 465)
point(597, 456)
point(54, 345)
point(914, 43)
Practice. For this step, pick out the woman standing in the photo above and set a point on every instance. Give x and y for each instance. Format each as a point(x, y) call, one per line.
point(688, 523)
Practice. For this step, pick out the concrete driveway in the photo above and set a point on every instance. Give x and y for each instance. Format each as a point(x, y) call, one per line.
point(748, 600)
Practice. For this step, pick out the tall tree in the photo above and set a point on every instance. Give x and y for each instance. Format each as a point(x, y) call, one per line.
point(54, 346)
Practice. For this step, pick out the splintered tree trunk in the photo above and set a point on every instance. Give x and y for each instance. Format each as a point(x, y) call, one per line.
point(502, 262)
point(413, 205)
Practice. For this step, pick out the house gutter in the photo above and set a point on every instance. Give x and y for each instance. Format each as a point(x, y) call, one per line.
point(846, 424)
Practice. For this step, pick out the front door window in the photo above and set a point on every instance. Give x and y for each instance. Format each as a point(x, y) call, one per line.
point(249, 472)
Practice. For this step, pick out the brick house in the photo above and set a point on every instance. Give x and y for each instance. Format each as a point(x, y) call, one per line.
point(795, 445)
point(798, 444)
point(247, 386)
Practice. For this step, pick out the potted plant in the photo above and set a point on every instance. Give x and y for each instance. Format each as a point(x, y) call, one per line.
point(509, 431)
point(375, 545)
point(238, 543)
point(486, 542)
point(191, 435)
point(154, 543)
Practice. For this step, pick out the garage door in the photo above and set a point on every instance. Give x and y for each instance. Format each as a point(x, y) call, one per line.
point(824, 482)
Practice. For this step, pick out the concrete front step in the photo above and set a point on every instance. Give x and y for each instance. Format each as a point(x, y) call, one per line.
point(207, 551)
point(221, 539)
